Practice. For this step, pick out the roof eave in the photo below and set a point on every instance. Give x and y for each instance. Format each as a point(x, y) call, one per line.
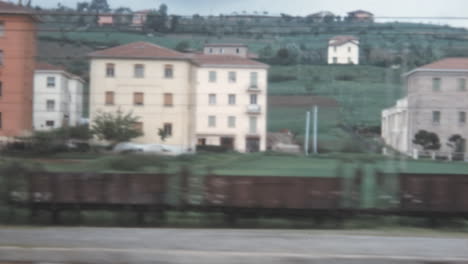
point(207, 65)
point(133, 57)
point(433, 70)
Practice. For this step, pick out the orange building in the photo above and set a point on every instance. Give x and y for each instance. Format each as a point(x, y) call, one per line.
point(17, 64)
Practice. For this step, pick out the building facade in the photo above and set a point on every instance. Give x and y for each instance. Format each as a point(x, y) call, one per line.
point(58, 98)
point(195, 99)
point(343, 50)
point(17, 62)
point(436, 101)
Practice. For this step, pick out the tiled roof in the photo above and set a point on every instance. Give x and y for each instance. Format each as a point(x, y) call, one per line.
point(360, 11)
point(139, 50)
point(448, 64)
point(340, 40)
point(225, 45)
point(144, 50)
point(224, 60)
point(48, 67)
point(9, 8)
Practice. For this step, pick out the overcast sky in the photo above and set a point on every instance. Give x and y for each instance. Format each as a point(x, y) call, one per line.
point(393, 8)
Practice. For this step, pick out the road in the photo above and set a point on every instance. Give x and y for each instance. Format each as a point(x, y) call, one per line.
point(206, 246)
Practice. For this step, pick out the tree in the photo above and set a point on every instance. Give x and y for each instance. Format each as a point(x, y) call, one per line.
point(457, 144)
point(115, 127)
point(427, 140)
point(157, 20)
point(162, 133)
point(183, 46)
point(99, 6)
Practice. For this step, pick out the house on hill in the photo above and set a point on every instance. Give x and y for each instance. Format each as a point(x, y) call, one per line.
point(196, 99)
point(436, 101)
point(106, 19)
point(231, 49)
point(58, 97)
point(320, 17)
point(18, 27)
point(360, 16)
point(343, 50)
point(139, 18)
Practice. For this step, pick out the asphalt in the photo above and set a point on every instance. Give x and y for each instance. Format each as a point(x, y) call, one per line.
point(174, 246)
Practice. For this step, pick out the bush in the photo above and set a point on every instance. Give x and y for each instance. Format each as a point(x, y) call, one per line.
point(135, 162)
point(345, 77)
point(281, 78)
point(212, 148)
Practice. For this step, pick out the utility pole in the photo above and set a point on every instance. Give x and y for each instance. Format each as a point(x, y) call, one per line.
point(307, 128)
point(315, 128)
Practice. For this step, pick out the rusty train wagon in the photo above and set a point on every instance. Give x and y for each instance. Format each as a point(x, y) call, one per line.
point(57, 192)
point(434, 194)
point(244, 195)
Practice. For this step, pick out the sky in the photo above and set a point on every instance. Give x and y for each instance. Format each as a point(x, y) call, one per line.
point(380, 8)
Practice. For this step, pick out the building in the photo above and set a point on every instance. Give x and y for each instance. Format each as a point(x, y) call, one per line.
point(106, 19)
point(139, 18)
point(197, 99)
point(436, 101)
point(360, 16)
point(321, 17)
point(343, 50)
point(17, 62)
point(229, 49)
point(58, 97)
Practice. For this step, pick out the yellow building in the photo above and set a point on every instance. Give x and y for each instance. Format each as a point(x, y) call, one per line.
point(197, 99)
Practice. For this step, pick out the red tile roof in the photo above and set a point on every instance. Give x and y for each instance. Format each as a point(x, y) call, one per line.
point(144, 50)
point(138, 50)
point(48, 67)
point(10, 8)
point(340, 40)
point(448, 64)
point(360, 11)
point(224, 60)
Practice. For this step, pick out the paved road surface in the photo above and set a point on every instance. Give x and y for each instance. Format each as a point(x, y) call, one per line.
point(206, 246)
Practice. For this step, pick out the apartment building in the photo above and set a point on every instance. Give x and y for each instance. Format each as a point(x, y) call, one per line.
point(343, 50)
point(197, 99)
point(58, 97)
point(436, 101)
point(17, 62)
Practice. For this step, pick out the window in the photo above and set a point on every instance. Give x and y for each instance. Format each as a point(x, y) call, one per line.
point(2, 28)
point(138, 98)
point(232, 77)
point(211, 121)
point(253, 125)
point(1, 88)
point(212, 76)
point(436, 84)
point(212, 99)
point(109, 98)
point(110, 70)
point(168, 129)
point(211, 50)
point(350, 60)
point(50, 123)
point(138, 126)
point(349, 49)
point(462, 117)
point(461, 84)
point(168, 99)
point(335, 60)
point(168, 71)
point(253, 79)
point(50, 104)
point(0, 120)
point(436, 117)
point(237, 50)
point(253, 99)
point(334, 48)
point(1, 57)
point(221, 50)
point(231, 121)
point(50, 81)
point(139, 71)
point(232, 99)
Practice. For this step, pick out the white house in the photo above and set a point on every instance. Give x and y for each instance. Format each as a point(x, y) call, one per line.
point(58, 97)
point(436, 101)
point(197, 99)
point(343, 50)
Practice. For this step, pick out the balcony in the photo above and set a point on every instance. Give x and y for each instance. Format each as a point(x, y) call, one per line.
point(253, 88)
point(254, 109)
